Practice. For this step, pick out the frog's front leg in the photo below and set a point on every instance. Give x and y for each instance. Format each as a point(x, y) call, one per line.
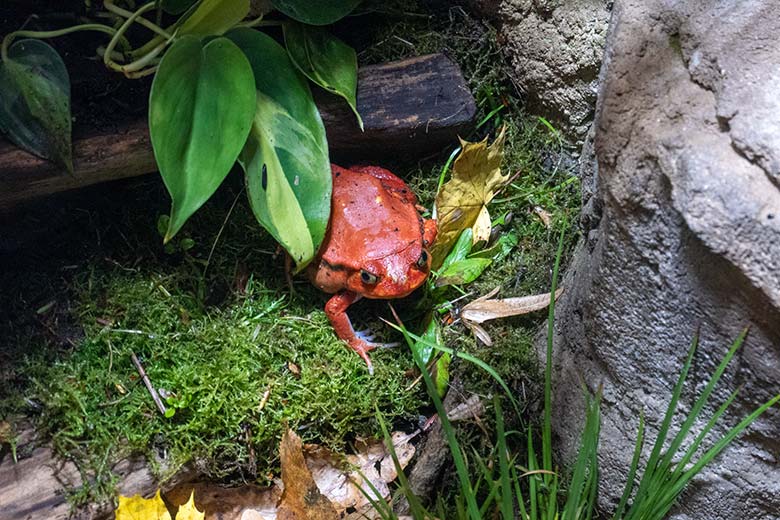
point(430, 230)
point(336, 310)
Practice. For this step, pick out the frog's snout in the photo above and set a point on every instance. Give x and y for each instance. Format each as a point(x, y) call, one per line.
point(398, 279)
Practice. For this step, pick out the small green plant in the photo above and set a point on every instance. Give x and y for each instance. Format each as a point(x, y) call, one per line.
point(535, 490)
point(223, 92)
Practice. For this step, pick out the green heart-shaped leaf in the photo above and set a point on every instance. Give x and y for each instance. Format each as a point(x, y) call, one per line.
point(322, 12)
point(214, 17)
point(324, 59)
point(200, 112)
point(35, 101)
point(286, 156)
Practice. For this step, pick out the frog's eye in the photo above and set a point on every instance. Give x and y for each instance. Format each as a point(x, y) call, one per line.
point(368, 278)
point(423, 260)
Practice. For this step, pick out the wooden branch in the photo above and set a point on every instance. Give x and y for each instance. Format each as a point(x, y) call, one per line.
point(149, 387)
point(410, 108)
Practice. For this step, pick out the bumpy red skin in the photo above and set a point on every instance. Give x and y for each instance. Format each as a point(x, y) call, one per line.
point(374, 227)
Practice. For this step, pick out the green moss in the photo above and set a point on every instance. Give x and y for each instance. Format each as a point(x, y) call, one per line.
point(217, 361)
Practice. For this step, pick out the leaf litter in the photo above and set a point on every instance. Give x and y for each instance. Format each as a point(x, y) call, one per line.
point(315, 484)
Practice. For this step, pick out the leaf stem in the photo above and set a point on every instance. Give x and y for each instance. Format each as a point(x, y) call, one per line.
point(54, 34)
point(259, 22)
point(110, 6)
point(134, 69)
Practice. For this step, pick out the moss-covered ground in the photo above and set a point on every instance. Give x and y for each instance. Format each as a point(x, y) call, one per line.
point(86, 283)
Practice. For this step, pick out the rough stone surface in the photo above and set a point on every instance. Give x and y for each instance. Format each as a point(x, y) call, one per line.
point(681, 230)
point(555, 49)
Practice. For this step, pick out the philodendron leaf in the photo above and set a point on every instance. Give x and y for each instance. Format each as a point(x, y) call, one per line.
point(214, 17)
point(286, 156)
point(35, 101)
point(322, 12)
point(324, 59)
point(200, 112)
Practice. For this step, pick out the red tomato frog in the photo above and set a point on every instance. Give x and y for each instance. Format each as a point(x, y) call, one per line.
point(375, 247)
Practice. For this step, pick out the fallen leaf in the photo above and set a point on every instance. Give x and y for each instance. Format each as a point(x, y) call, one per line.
point(469, 409)
point(544, 216)
point(337, 479)
point(480, 333)
point(341, 478)
point(301, 498)
point(476, 175)
point(140, 508)
point(218, 502)
point(483, 309)
point(294, 369)
point(6, 432)
point(188, 511)
point(482, 226)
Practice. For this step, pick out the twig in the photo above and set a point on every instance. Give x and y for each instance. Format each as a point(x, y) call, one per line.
point(148, 383)
point(264, 400)
point(219, 233)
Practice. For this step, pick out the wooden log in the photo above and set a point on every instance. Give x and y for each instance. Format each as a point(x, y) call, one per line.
point(410, 108)
point(34, 487)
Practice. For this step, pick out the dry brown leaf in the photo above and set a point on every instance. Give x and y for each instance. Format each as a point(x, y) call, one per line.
point(336, 477)
point(218, 502)
point(340, 478)
point(480, 333)
point(294, 369)
point(6, 432)
point(301, 498)
point(470, 409)
point(544, 216)
point(476, 175)
point(482, 310)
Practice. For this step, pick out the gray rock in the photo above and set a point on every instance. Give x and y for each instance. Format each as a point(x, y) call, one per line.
point(555, 49)
point(681, 230)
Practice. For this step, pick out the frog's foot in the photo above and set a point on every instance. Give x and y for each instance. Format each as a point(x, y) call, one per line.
point(360, 342)
point(368, 337)
point(362, 348)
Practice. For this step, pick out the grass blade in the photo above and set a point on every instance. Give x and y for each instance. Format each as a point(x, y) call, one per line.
point(519, 495)
point(700, 402)
point(640, 439)
point(377, 502)
point(694, 447)
point(532, 484)
point(648, 478)
point(418, 511)
point(507, 509)
point(452, 441)
point(665, 503)
point(547, 425)
point(579, 488)
point(464, 356)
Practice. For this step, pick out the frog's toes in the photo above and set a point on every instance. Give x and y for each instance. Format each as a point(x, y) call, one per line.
point(368, 338)
point(387, 345)
point(365, 335)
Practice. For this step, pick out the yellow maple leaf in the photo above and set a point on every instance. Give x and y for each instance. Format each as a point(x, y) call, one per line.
point(140, 508)
point(188, 511)
point(137, 507)
point(476, 174)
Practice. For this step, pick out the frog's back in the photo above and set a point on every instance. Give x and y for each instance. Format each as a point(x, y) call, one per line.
point(373, 215)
